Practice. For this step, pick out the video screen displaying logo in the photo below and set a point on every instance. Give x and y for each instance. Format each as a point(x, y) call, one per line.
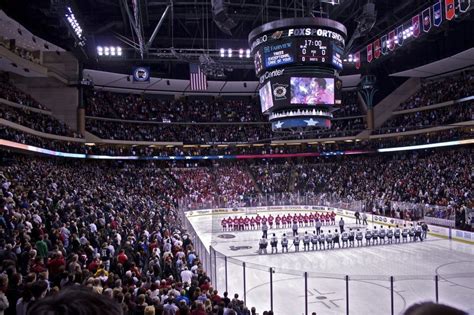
point(141, 74)
point(266, 100)
point(312, 91)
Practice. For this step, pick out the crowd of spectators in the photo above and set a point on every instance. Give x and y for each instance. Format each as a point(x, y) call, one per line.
point(429, 118)
point(188, 133)
point(206, 185)
point(147, 108)
point(350, 105)
point(36, 121)
point(442, 90)
point(111, 228)
point(419, 178)
point(272, 177)
point(147, 151)
point(13, 94)
point(214, 133)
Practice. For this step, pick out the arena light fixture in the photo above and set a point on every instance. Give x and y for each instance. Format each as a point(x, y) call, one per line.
point(241, 53)
point(247, 53)
point(222, 51)
point(76, 27)
point(229, 52)
point(112, 51)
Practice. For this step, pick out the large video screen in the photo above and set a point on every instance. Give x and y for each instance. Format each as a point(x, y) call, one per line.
point(311, 91)
point(266, 100)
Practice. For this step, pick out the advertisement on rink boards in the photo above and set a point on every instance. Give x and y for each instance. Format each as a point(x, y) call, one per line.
point(258, 209)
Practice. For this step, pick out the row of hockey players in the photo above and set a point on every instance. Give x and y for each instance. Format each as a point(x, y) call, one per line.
point(284, 221)
point(349, 238)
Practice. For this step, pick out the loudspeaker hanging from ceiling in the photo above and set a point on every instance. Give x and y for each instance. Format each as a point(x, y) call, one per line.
point(220, 16)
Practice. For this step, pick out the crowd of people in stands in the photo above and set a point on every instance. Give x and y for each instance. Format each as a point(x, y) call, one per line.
point(114, 230)
point(350, 105)
point(204, 185)
point(381, 181)
point(36, 121)
point(273, 177)
point(13, 94)
point(148, 108)
point(444, 89)
point(213, 133)
point(430, 118)
point(163, 151)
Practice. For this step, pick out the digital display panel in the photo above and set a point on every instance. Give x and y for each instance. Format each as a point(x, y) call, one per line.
point(337, 53)
point(278, 54)
point(257, 60)
point(266, 100)
point(314, 50)
point(312, 91)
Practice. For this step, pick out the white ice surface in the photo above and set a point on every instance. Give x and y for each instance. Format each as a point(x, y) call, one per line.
point(413, 266)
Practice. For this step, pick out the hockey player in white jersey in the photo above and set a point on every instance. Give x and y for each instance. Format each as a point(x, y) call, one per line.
point(397, 234)
point(306, 240)
point(345, 239)
point(329, 243)
point(411, 232)
point(404, 233)
point(296, 242)
point(375, 236)
point(382, 234)
point(314, 241)
point(368, 237)
point(418, 231)
point(284, 244)
point(351, 237)
point(321, 240)
point(263, 245)
point(389, 235)
point(359, 237)
point(274, 244)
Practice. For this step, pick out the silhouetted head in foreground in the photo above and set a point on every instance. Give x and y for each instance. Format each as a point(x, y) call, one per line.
point(430, 308)
point(76, 301)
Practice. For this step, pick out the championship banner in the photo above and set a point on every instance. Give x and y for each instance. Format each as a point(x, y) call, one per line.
point(400, 38)
point(141, 74)
point(426, 16)
point(415, 23)
point(450, 10)
point(391, 40)
point(384, 44)
point(464, 5)
point(357, 59)
point(377, 48)
point(437, 14)
point(370, 56)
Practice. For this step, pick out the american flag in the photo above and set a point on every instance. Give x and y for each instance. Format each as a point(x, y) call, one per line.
point(198, 79)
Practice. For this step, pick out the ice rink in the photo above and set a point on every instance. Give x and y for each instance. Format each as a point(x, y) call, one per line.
point(413, 267)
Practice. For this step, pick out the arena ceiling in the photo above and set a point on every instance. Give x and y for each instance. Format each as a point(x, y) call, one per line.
point(189, 28)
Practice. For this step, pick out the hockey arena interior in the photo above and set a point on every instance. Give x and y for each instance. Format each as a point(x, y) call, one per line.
point(237, 157)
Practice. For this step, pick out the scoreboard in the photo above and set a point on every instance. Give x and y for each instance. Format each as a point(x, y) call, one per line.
point(298, 61)
point(318, 44)
point(298, 52)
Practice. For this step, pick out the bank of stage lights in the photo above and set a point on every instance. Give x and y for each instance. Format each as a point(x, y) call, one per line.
point(109, 51)
point(229, 53)
point(74, 24)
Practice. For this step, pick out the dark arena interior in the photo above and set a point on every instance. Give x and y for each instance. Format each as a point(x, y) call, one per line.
point(236, 157)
